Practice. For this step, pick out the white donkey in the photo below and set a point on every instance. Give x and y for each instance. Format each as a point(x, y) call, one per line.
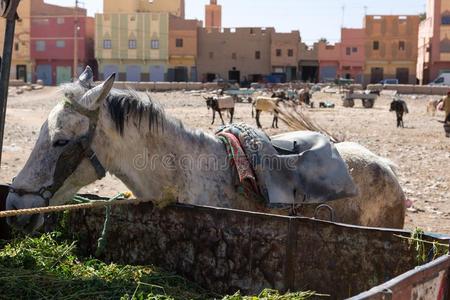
point(95, 130)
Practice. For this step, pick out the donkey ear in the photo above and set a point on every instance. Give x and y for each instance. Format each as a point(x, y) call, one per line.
point(94, 97)
point(86, 79)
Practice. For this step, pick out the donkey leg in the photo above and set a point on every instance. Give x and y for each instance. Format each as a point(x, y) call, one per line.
point(220, 114)
point(232, 115)
point(214, 117)
point(258, 113)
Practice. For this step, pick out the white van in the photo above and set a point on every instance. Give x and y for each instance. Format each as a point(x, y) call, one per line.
point(443, 79)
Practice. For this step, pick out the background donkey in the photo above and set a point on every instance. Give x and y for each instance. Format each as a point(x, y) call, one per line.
point(220, 104)
point(400, 108)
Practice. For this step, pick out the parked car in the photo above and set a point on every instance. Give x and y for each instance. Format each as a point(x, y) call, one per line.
point(443, 79)
point(389, 81)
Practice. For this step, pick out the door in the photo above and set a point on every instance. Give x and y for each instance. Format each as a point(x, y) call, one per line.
point(108, 70)
point(402, 74)
point(44, 73)
point(234, 76)
point(181, 74)
point(157, 73)
point(328, 73)
point(21, 72)
point(63, 74)
point(134, 73)
point(376, 75)
point(193, 74)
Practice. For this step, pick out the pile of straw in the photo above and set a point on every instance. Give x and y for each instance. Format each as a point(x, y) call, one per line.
point(295, 118)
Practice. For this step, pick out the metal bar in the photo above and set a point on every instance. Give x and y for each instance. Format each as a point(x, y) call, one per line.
point(6, 68)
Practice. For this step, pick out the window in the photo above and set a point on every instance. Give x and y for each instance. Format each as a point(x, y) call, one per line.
point(211, 55)
point(376, 45)
point(257, 54)
point(291, 52)
point(233, 56)
point(179, 43)
point(60, 44)
point(401, 46)
point(445, 20)
point(40, 46)
point(16, 46)
point(60, 20)
point(278, 52)
point(348, 51)
point(154, 44)
point(107, 44)
point(132, 44)
point(354, 50)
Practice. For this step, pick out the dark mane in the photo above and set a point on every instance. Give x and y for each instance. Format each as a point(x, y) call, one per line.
point(124, 106)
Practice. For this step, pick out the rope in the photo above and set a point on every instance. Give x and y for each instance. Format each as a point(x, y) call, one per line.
point(50, 209)
point(119, 199)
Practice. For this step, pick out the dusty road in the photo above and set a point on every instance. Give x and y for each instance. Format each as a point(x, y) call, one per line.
point(421, 151)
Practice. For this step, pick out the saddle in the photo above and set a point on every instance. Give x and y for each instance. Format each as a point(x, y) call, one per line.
point(294, 168)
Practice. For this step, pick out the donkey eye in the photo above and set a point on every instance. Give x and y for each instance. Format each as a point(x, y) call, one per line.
point(60, 143)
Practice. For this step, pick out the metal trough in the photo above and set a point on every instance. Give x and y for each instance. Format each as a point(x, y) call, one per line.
point(227, 250)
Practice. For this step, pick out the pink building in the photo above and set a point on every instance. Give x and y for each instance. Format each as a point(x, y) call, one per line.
point(352, 54)
point(434, 41)
point(329, 58)
point(344, 59)
point(52, 41)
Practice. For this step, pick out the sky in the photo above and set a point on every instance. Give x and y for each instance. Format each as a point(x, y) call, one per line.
point(314, 18)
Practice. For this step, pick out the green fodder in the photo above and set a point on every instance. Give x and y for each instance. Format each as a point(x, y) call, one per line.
point(47, 267)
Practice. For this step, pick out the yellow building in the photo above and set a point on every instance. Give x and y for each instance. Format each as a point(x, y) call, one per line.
point(173, 7)
point(391, 48)
point(21, 64)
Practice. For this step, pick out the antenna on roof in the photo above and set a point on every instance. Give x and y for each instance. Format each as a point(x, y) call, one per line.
point(365, 10)
point(343, 16)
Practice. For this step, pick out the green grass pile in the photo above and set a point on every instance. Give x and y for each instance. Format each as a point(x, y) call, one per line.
point(47, 267)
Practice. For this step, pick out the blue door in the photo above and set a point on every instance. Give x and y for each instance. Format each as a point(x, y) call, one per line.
point(193, 74)
point(108, 70)
point(44, 73)
point(133, 73)
point(157, 73)
point(328, 73)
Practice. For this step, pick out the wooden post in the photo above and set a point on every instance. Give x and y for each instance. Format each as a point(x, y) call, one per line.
point(11, 17)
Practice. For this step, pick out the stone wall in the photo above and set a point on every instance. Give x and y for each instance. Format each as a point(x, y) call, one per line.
point(226, 250)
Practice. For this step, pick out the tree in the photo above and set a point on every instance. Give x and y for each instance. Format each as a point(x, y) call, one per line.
point(323, 40)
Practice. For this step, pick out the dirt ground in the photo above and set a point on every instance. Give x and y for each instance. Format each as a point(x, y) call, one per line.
point(421, 151)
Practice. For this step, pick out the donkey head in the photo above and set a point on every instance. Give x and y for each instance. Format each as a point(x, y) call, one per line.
point(62, 160)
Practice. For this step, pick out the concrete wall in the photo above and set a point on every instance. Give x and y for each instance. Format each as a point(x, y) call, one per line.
point(389, 31)
point(226, 251)
point(221, 51)
point(285, 42)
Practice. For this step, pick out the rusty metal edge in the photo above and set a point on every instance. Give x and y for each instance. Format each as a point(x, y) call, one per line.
point(434, 236)
point(406, 280)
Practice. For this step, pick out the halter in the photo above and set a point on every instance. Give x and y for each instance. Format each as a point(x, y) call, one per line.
point(71, 157)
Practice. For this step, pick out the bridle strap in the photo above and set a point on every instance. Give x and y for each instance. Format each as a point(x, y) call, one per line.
point(85, 142)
